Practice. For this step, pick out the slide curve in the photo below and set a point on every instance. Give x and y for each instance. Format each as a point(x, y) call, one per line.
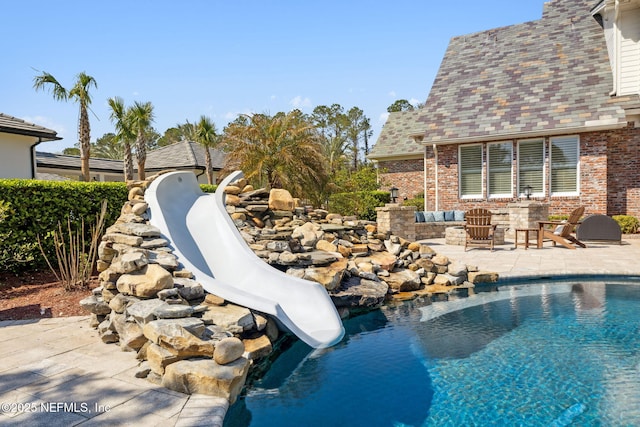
point(207, 243)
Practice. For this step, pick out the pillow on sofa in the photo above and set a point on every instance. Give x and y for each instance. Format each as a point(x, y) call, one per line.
point(438, 216)
point(458, 215)
point(419, 216)
point(448, 215)
point(428, 217)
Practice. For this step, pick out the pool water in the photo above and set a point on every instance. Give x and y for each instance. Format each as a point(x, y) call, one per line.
point(541, 354)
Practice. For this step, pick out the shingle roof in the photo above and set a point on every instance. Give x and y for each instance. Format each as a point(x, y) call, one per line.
point(10, 124)
point(394, 139)
point(550, 75)
point(62, 161)
point(183, 154)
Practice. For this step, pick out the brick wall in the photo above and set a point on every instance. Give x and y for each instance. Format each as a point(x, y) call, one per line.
point(406, 175)
point(623, 171)
point(609, 177)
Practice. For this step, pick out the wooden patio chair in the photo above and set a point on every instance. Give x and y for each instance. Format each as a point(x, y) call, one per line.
point(562, 231)
point(478, 227)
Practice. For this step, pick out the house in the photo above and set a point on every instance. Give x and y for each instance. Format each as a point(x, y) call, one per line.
point(185, 155)
point(18, 140)
point(550, 107)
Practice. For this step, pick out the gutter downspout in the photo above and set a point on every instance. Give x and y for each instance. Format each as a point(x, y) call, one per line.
point(32, 153)
point(424, 179)
point(435, 162)
point(616, 51)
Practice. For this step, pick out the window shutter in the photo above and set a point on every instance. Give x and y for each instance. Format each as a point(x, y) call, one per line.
point(471, 170)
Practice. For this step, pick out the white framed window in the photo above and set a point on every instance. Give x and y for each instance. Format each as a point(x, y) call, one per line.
point(470, 171)
point(531, 166)
point(499, 169)
point(564, 158)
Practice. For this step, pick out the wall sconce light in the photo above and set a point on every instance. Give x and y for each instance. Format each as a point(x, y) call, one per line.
point(528, 191)
point(394, 194)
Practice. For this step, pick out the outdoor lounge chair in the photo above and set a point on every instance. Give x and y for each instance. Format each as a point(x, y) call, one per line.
point(479, 231)
point(562, 231)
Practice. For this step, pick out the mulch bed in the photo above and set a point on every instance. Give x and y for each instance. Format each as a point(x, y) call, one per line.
point(37, 295)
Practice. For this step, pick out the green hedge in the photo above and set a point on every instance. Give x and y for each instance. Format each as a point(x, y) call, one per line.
point(628, 224)
point(362, 204)
point(32, 208)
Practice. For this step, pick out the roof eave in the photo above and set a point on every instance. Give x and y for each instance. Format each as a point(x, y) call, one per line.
point(596, 125)
point(44, 136)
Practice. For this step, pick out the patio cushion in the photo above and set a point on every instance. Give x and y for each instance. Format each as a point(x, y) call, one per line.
point(438, 216)
point(419, 216)
point(458, 215)
point(449, 215)
point(429, 217)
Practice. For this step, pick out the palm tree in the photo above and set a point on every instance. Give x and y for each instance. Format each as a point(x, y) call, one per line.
point(141, 116)
point(206, 135)
point(78, 93)
point(284, 150)
point(124, 132)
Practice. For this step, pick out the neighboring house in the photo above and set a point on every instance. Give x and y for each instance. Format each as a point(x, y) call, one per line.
point(184, 155)
point(551, 104)
point(18, 140)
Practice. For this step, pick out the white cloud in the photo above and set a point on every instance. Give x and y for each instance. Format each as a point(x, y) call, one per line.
point(48, 123)
point(274, 97)
point(300, 102)
point(392, 94)
point(383, 117)
point(414, 101)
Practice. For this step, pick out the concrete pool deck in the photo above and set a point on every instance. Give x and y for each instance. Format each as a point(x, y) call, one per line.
point(58, 371)
point(599, 258)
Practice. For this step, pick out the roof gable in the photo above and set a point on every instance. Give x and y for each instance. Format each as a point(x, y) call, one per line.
point(394, 139)
point(549, 75)
point(183, 154)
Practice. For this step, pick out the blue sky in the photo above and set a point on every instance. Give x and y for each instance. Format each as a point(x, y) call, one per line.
point(221, 58)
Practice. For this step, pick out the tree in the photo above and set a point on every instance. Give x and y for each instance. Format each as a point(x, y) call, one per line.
point(358, 127)
point(78, 93)
point(400, 105)
point(71, 151)
point(108, 147)
point(181, 132)
point(331, 123)
point(141, 116)
point(124, 133)
point(206, 135)
point(283, 150)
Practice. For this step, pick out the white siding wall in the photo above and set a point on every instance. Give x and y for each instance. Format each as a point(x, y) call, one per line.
point(629, 70)
point(15, 156)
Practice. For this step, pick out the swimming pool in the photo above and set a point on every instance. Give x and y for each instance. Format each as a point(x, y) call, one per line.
point(551, 353)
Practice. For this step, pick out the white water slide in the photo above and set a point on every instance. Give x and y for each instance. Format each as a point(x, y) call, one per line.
point(207, 243)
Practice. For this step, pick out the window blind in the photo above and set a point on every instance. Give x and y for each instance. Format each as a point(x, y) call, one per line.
point(499, 163)
point(471, 170)
point(564, 165)
point(531, 166)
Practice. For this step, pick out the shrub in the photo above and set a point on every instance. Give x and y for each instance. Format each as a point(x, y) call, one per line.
point(208, 188)
point(34, 208)
point(362, 204)
point(418, 202)
point(628, 224)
